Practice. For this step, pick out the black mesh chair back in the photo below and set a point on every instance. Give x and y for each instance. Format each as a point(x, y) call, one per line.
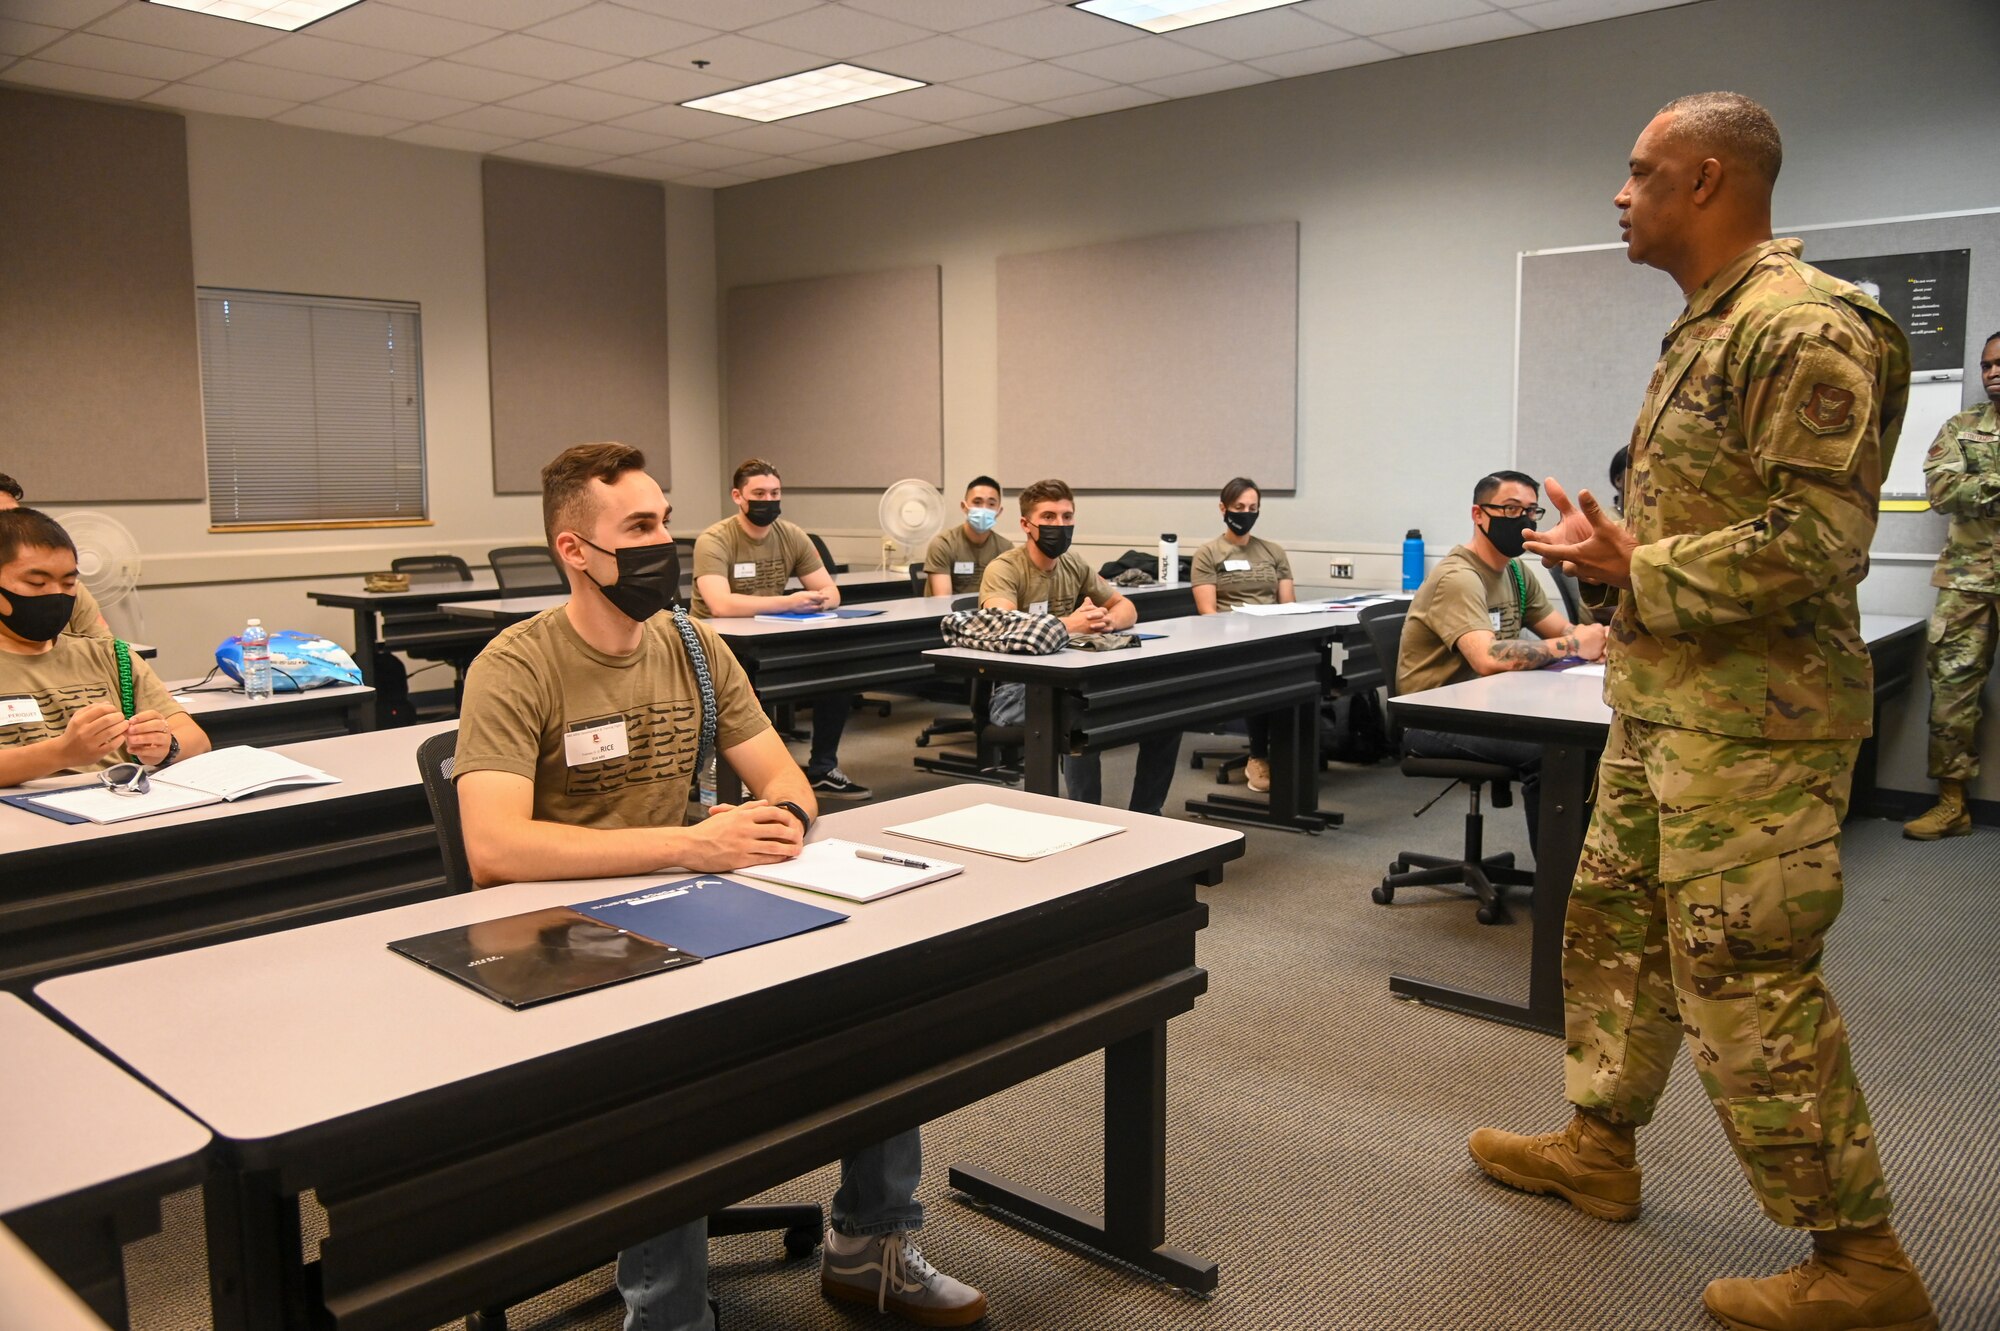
point(1384, 626)
point(435, 757)
point(1572, 602)
point(432, 568)
point(527, 570)
point(825, 555)
point(918, 582)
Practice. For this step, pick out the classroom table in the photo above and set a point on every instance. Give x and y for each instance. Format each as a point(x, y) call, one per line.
point(467, 1155)
point(31, 1295)
point(1565, 712)
point(227, 717)
point(424, 594)
point(75, 895)
point(90, 1152)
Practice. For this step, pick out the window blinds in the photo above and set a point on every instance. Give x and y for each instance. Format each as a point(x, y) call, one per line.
point(314, 409)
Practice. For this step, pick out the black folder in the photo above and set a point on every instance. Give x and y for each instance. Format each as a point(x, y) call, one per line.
point(523, 960)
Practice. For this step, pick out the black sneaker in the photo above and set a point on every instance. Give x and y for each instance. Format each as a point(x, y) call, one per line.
point(835, 784)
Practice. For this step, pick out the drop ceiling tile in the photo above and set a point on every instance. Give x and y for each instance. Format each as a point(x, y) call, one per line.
point(937, 104)
point(460, 140)
point(1253, 35)
point(189, 97)
point(60, 13)
point(341, 122)
point(740, 60)
point(1052, 31)
point(1201, 82)
point(1319, 59)
point(946, 15)
point(855, 122)
point(447, 78)
point(773, 139)
point(655, 82)
point(942, 59)
point(509, 123)
point(22, 38)
point(637, 167)
point(376, 99)
point(610, 139)
point(587, 104)
point(1456, 32)
point(705, 156)
point(768, 168)
point(1135, 62)
point(1035, 82)
point(323, 55)
point(711, 180)
point(549, 154)
point(119, 57)
point(620, 31)
point(1098, 103)
point(723, 15)
point(492, 13)
point(157, 25)
point(403, 30)
point(1006, 122)
point(678, 122)
point(518, 53)
point(838, 154)
point(1565, 13)
point(75, 78)
point(926, 136)
point(287, 85)
point(1365, 18)
point(838, 32)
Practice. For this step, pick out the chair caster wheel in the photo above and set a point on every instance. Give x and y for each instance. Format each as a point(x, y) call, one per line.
point(1383, 894)
point(800, 1241)
point(1491, 914)
point(923, 741)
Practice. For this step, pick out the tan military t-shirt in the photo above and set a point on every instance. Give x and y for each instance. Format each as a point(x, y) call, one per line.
point(1461, 595)
point(953, 552)
point(539, 697)
point(754, 568)
point(1014, 577)
point(39, 694)
point(84, 618)
point(1246, 574)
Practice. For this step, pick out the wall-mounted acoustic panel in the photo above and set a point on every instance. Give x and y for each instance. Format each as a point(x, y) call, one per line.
point(576, 317)
point(1169, 363)
point(100, 381)
point(839, 380)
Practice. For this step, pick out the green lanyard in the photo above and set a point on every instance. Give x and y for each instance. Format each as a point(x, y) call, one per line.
point(1520, 587)
point(126, 699)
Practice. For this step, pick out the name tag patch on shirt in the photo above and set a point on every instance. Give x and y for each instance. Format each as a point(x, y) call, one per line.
point(595, 741)
point(961, 566)
point(744, 571)
point(1235, 566)
point(1498, 618)
point(1038, 607)
point(19, 711)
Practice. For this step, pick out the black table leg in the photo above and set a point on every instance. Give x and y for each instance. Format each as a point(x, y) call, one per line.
point(365, 641)
point(1294, 802)
point(1132, 1228)
point(256, 1272)
point(1041, 767)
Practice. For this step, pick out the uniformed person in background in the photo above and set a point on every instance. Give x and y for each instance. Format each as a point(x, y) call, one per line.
point(958, 555)
point(1962, 476)
point(1741, 691)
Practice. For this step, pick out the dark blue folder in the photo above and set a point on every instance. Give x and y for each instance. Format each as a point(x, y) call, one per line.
point(708, 916)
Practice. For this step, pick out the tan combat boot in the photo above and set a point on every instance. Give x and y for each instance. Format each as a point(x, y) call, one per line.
point(1948, 817)
point(1257, 774)
point(1856, 1280)
point(1591, 1164)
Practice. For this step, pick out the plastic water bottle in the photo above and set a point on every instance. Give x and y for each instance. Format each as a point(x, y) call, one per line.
point(256, 644)
point(1170, 558)
point(1413, 560)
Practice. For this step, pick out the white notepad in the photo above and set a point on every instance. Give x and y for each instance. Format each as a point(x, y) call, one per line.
point(832, 867)
point(211, 778)
point(1594, 668)
point(1013, 834)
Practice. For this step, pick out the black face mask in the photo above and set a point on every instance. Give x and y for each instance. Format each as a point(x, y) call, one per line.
point(763, 512)
point(1054, 541)
point(1240, 523)
point(1509, 534)
point(39, 618)
point(649, 578)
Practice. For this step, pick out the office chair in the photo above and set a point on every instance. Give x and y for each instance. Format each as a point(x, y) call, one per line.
point(919, 583)
point(825, 555)
point(1486, 877)
point(1572, 602)
point(429, 635)
point(802, 1223)
point(527, 570)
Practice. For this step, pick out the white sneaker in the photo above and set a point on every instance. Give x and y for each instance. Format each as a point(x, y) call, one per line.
point(890, 1273)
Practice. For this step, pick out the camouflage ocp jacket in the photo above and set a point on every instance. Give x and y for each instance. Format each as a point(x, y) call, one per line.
point(1962, 475)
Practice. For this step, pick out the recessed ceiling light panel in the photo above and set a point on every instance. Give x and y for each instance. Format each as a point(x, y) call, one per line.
point(284, 15)
point(1173, 15)
point(796, 94)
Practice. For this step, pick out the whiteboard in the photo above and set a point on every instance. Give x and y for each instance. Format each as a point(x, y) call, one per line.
point(1934, 399)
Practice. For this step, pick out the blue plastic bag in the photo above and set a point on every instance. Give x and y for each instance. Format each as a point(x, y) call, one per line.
point(299, 661)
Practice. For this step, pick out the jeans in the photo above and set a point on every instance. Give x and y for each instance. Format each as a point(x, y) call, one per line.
point(1523, 757)
point(664, 1280)
point(829, 723)
point(1083, 776)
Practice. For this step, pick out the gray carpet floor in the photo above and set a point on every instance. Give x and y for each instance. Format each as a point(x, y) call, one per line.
point(1317, 1126)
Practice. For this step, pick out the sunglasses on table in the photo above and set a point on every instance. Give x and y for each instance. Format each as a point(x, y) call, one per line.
point(126, 779)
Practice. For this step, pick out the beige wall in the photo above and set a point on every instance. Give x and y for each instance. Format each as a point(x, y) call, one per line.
point(284, 209)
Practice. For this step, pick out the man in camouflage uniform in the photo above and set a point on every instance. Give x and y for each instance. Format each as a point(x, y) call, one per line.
point(1741, 690)
point(1962, 474)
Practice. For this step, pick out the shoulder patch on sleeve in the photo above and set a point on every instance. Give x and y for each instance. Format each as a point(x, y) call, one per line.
point(1823, 420)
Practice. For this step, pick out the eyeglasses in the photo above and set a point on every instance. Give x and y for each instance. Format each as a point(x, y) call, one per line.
point(1515, 511)
point(126, 779)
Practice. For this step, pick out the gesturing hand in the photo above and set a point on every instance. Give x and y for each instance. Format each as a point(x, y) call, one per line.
point(1587, 543)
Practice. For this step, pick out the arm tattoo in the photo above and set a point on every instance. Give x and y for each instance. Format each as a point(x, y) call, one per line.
point(1531, 654)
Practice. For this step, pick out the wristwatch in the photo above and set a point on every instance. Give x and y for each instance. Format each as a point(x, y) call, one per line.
point(173, 751)
point(805, 823)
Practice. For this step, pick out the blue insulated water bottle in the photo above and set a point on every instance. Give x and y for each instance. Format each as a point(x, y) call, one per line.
point(1413, 560)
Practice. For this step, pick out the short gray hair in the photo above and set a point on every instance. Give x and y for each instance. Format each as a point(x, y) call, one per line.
point(1731, 127)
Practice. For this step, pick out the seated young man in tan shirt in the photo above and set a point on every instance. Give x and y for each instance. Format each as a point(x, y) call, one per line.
point(89, 616)
point(61, 706)
point(1466, 621)
point(578, 749)
point(958, 555)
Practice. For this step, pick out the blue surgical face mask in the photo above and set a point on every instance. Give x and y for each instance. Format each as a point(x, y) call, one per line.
point(981, 519)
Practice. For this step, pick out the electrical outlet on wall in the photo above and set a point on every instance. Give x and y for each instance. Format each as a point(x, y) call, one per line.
point(1340, 569)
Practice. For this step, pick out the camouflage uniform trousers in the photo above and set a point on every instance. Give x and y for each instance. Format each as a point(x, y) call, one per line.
point(1962, 632)
point(1708, 881)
